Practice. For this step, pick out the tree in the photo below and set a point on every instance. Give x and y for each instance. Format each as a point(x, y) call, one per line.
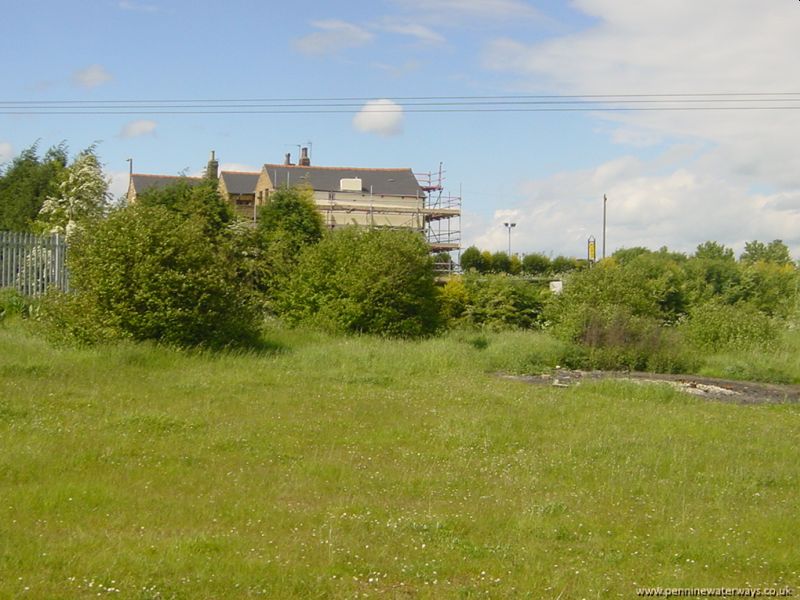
point(501, 263)
point(26, 183)
point(471, 259)
point(775, 252)
point(714, 251)
point(563, 264)
point(377, 281)
point(536, 264)
point(193, 200)
point(291, 220)
point(626, 255)
point(82, 195)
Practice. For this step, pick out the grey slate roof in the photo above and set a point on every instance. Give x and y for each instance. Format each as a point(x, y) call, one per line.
point(390, 182)
point(143, 183)
point(239, 182)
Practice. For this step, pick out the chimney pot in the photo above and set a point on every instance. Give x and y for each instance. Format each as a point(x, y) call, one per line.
point(212, 170)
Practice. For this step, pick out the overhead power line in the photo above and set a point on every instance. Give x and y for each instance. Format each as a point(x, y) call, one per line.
point(719, 101)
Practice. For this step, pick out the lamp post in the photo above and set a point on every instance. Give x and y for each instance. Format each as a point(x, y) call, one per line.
point(509, 227)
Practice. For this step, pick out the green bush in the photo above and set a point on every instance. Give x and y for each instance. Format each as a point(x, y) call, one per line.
point(613, 337)
point(12, 303)
point(150, 273)
point(500, 301)
point(363, 281)
point(716, 326)
point(186, 199)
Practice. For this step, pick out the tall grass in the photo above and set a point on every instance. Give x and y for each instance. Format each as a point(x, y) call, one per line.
point(361, 467)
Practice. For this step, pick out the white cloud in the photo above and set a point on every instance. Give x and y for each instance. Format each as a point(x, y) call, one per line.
point(679, 47)
point(138, 128)
point(417, 31)
point(718, 163)
point(679, 208)
point(333, 35)
point(91, 76)
point(6, 152)
point(474, 9)
point(383, 117)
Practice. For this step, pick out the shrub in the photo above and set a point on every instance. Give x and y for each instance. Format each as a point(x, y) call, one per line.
point(500, 301)
point(12, 303)
point(716, 326)
point(615, 338)
point(150, 273)
point(363, 281)
point(453, 299)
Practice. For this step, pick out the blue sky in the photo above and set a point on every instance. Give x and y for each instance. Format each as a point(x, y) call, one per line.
point(672, 179)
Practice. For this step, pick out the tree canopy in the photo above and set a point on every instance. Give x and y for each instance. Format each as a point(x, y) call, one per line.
point(26, 183)
point(82, 194)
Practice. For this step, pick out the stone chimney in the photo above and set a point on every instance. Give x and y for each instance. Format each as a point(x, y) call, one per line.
point(287, 161)
point(304, 161)
point(212, 170)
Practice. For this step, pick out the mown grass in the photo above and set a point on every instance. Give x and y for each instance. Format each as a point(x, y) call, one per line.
point(361, 467)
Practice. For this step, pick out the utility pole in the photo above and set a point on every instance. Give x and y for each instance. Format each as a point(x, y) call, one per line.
point(130, 173)
point(509, 226)
point(604, 225)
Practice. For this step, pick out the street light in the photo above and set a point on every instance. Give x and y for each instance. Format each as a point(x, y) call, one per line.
point(509, 226)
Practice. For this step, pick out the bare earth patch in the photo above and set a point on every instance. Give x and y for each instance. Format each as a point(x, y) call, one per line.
point(727, 390)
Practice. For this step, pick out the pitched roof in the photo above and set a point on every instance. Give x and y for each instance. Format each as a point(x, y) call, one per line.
point(390, 182)
point(240, 182)
point(143, 183)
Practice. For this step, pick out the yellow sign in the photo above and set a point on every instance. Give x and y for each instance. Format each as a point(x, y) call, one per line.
point(592, 250)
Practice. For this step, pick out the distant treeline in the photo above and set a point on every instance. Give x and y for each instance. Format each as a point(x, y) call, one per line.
point(483, 261)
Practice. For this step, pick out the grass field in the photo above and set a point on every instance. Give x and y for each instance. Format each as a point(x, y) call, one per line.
point(359, 467)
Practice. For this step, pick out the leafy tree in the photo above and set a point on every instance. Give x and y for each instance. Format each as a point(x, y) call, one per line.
point(290, 221)
point(775, 252)
point(364, 281)
point(662, 275)
point(26, 183)
point(714, 251)
point(501, 263)
point(192, 200)
point(770, 287)
point(563, 264)
point(515, 265)
point(486, 260)
point(625, 255)
point(82, 195)
point(708, 278)
point(471, 258)
point(536, 264)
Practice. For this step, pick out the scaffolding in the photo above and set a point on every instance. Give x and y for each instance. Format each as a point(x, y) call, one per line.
point(441, 215)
